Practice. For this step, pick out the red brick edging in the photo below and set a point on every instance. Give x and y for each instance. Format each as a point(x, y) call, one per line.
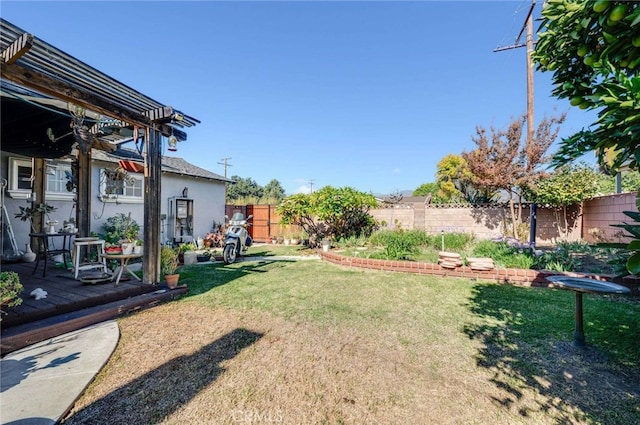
point(523, 277)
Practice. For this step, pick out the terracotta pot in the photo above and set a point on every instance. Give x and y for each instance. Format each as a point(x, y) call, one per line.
point(172, 280)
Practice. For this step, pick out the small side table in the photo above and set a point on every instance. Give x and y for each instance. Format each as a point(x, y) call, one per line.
point(582, 285)
point(89, 243)
point(124, 260)
point(46, 248)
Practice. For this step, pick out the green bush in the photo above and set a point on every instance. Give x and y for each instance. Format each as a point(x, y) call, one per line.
point(503, 254)
point(10, 289)
point(120, 227)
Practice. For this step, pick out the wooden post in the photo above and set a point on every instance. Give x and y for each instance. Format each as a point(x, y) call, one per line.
point(83, 193)
point(152, 197)
point(39, 185)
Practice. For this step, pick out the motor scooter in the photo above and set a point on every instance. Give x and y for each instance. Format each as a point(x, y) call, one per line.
point(236, 239)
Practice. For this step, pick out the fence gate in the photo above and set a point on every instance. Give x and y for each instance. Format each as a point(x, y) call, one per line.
point(261, 222)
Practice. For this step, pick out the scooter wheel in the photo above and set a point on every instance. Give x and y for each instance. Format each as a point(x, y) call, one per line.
point(229, 254)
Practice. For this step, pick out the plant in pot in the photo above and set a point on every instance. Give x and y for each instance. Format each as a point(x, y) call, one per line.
point(29, 213)
point(10, 289)
point(168, 266)
point(204, 256)
point(187, 253)
point(120, 230)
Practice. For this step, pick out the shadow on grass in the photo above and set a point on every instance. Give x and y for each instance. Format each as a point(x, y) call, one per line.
point(526, 342)
point(202, 278)
point(158, 393)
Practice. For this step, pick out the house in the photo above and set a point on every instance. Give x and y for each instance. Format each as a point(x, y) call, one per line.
point(51, 108)
point(202, 189)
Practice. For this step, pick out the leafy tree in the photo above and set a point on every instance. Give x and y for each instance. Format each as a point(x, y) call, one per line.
point(243, 188)
point(273, 191)
point(455, 182)
point(428, 189)
point(630, 182)
point(568, 185)
point(593, 50)
point(452, 173)
point(329, 212)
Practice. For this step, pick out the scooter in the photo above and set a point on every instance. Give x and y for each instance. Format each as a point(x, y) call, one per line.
point(237, 239)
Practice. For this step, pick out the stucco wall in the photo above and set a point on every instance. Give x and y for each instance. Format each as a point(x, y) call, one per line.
point(208, 195)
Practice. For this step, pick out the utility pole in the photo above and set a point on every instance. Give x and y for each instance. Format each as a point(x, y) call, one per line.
point(226, 164)
point(311, 185)
point(528, 25)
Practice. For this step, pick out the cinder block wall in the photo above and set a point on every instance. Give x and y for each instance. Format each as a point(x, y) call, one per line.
point(601, 212)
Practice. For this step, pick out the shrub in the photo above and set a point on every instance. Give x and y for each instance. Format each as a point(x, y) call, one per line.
point(504, 255)
point(452, 241)
point(10, 289)
point(120, 227)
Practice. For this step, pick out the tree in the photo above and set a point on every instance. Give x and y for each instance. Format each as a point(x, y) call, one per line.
point(427, 189)
point(242, 189)
point(593, 50)
point(273, 192)
point(630, 182)
point(452, 175)
point(456, 184)
point(568, 185)
point(329, 212)
point(506, 163)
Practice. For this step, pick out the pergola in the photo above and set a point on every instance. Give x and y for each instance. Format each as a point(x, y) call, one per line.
point(84, 109)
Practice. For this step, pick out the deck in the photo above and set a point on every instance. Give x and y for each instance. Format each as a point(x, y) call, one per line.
point(64, 293)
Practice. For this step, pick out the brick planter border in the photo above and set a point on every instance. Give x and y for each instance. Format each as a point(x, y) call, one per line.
point(500, 275)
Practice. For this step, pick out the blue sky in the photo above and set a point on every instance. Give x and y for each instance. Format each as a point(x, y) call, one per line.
point(363, 94)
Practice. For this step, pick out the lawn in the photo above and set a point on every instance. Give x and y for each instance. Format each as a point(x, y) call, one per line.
point(308, 342)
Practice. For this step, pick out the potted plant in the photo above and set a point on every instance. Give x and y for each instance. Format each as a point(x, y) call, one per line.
point(187, 253)
point(168, 266)
point(10, 289)
point(204, 256)
point(28, 213)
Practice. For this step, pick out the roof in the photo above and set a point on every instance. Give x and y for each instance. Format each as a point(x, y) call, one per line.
point(170, 164)
point(45, 59)
point(51, 100)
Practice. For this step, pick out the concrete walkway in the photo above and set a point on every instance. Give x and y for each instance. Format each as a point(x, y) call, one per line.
point(40, 383)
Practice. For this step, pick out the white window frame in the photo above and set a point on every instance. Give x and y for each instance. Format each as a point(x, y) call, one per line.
point(117, 198)
point(17, 193)
point(62, 195)
point(13, 189)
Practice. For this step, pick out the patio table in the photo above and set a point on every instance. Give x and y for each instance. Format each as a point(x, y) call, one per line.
point(580, 286)
point(124, 261)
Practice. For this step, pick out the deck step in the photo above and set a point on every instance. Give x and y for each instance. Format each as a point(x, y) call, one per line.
point(21, 336)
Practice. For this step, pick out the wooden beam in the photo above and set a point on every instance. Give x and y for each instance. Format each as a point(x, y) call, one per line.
point(17, 48)
point(152, 209)
point(83, 192)
point(64, 91)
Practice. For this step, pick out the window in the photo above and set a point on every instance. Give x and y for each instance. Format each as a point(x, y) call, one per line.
point(59, 181)
point(123, 188)
point(19, 178)
point(57, 173)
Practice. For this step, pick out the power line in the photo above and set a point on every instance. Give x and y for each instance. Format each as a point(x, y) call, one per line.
point(226, 164)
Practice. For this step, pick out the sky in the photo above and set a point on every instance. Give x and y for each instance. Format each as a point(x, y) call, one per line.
point(369, 95)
